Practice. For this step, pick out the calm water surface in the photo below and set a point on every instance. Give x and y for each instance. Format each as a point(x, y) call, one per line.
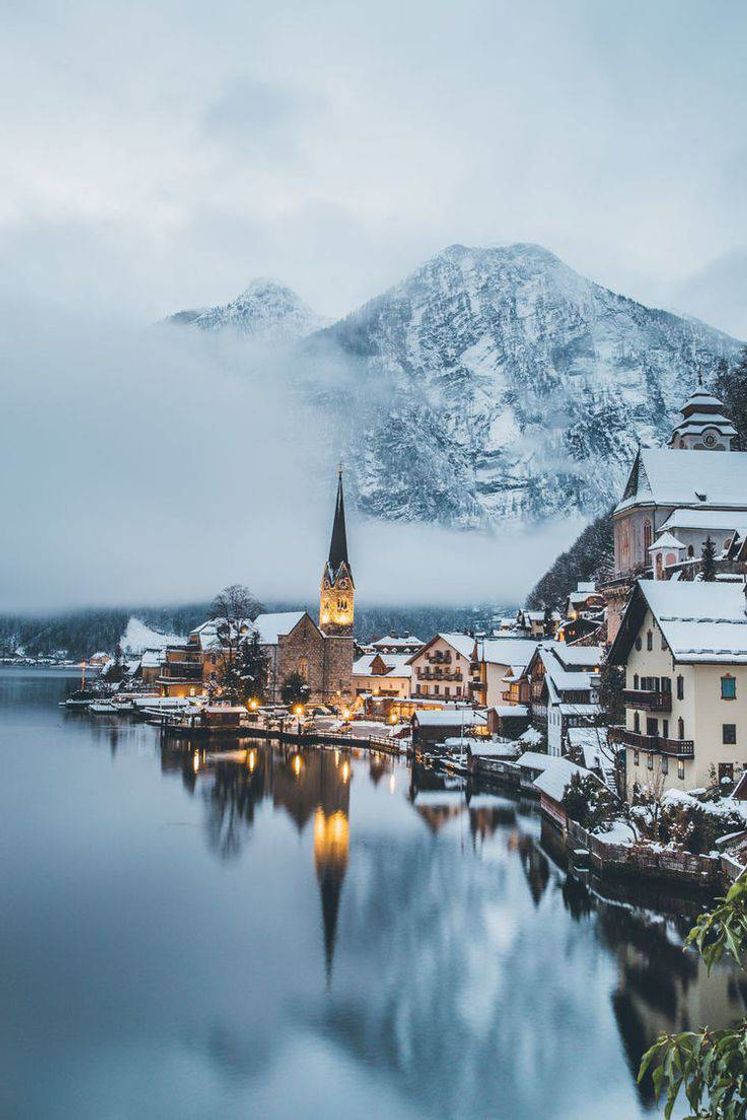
point(317, 937)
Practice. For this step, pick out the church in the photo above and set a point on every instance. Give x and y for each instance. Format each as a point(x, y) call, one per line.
point(675, 498)
point(322, 653)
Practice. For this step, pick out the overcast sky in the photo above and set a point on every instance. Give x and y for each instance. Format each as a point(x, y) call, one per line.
point(161, 155)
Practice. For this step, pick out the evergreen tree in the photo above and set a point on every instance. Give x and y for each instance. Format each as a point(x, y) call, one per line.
point(548, 626)
point(253, 670)
point(295, 690)
point(731, 386)
point(590, 557)
point(708, 556)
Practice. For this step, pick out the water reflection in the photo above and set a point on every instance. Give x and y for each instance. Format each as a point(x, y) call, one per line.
point(270, 932)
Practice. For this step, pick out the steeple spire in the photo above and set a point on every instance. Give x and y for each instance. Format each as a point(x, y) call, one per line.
point(338, 545)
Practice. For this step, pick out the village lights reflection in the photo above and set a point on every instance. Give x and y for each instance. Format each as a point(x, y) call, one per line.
point(196, 761)
point(345, 771)
point(392, 783)
point(251, 761)
point(297, 764)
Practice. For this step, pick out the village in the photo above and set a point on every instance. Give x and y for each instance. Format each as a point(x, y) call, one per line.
point(622, 710)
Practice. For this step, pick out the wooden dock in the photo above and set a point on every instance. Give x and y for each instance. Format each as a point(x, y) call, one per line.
point(301, 739)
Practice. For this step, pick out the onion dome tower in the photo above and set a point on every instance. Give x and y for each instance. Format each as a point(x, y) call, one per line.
point(704, 425)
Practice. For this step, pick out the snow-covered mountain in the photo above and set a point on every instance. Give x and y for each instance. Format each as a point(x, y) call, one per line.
point(497, 385)
point(138, 637)
point(266, 310)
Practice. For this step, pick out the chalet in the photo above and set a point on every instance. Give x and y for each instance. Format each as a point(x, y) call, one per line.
point(442, 668)
point(509, 721)
point(563, 686)
point(552, 784)
point(492, 658)
point(684, 650)
point(397, 643)
point(382, 674)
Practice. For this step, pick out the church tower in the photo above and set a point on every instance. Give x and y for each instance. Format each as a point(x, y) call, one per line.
point(337, 594)
point(704, 426)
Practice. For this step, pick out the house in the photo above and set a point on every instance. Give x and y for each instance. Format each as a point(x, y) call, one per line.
point(537, 624)
point(563, 685)
point(150, 665)
point(397, 643)
point(442, 668)
point(684, 650)
point(382, 674)
point(530, 765)
point(583, 601)
point(509, 721)
point(430, 728)
point(492, 658)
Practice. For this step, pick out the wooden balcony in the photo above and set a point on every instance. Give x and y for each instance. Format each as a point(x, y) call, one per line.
point(682, 748)
point(647, 700)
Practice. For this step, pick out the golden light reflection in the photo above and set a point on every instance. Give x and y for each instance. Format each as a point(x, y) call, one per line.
point(392, 783)
point(251, 761)
point(196, 761)
point(297, 764)
point(331, 838)
point(345, 771)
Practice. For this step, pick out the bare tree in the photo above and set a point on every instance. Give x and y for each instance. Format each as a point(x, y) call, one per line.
point(233, 609)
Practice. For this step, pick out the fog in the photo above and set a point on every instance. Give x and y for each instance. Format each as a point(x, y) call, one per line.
point(158, 465)
point(157, 157)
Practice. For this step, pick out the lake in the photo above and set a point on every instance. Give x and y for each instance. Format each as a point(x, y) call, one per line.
point(306, 935)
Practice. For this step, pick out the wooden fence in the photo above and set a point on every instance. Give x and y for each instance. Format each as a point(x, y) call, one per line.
point(642, 860)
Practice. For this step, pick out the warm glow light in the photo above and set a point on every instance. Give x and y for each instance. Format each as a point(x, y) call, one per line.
point(346, 713)
point(252, 760)
point(297, 763)
point(393, 718)
point(253, 705)
point(345, 770)
point(298, 710)
point(196, 762)
point(392, 783)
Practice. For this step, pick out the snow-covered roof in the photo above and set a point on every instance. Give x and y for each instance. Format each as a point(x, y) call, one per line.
point(450, 717)
point(718, 521)
point(666, 540)
point(506, 651)
point(700, 621)
point(485, 748)
point(669, 477)
point(152, 658)
point(389, 641)
point(397, 665)
point(590, 656)
point(533, 760)
point(507, 710)
point(579, 709)
point(556, 777)
point(586, 586)
point(270, 627)
point(462, 643)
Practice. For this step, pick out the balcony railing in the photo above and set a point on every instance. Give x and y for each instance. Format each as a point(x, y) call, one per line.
point(649, 701)
point(439, 675)
point(182, 671)
point(683, 748)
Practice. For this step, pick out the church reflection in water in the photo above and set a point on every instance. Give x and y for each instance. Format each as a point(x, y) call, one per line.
point(491, 916)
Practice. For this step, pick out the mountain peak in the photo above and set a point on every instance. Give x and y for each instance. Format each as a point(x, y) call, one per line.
point(266, 310)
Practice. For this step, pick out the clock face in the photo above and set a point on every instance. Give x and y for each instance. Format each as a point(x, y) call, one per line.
point(710, 439)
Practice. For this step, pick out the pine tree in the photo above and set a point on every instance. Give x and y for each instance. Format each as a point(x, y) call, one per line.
point(253, 670)
point(295, 690)
point(731, 386)
point(708, 556)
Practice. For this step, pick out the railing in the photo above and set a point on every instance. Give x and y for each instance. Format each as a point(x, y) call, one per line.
point(182, 670)
point(684, 748)
point(439, 675)
point(648, 700)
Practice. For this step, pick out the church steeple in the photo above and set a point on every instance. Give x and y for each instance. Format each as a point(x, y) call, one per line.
point(704, 425)
point(338, 545)
point(337, 591)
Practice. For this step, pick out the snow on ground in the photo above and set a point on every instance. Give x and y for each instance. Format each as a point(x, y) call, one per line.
point(138, 637)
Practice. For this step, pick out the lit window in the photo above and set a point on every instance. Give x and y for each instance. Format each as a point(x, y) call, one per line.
point(728, 688)
point(729, 734)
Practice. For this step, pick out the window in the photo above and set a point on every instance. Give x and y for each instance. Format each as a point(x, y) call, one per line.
point(681, 770)
point(436, 689)
point(638, 642)
point(635, 680)
point(636, 721)
point(665, 728)
point(649, 640)
point(646, 539)
point(636, 758)
point(680, 688)
point(726, 771)
point(728, 687)
point(650, 762)
point(680, 728)
point(729, 734)
point(652, 726)
point(665, 765)
point(459, 690)
point(447, 691)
